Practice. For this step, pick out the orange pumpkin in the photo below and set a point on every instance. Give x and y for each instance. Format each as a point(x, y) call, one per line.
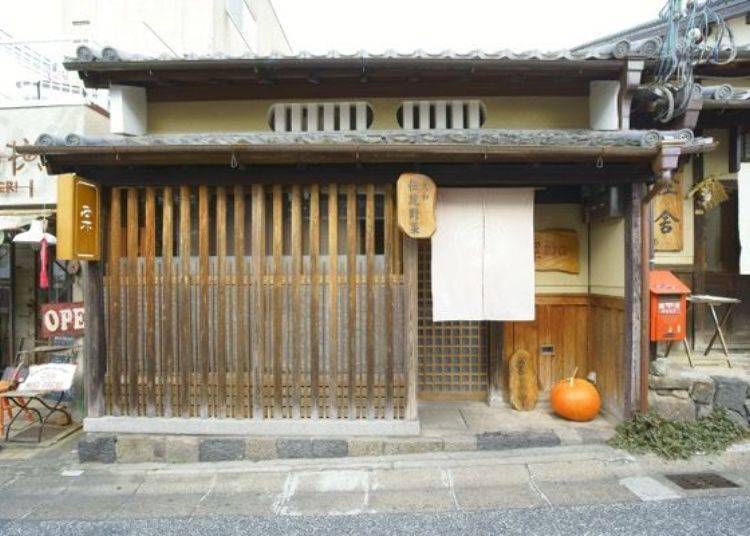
point(575, 399)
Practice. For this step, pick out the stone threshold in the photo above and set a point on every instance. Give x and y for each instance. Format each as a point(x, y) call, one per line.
point(137, 448)
point(251, 427)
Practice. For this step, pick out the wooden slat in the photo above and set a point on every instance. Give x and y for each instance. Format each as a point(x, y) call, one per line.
point(115, 305)
point(185, 347)
point(296, 327)
point(132, 297)
point(370, 330)
point(149, 252)
point(333, 300)
point(241, 347)
point(257, 310)
point(95, 341)
point(314, 300)
point(221, 314)
point(351, 277)
point(388, 301)
point(277, 302)
point(167, 252)
point(203, 313)
point(410, 323)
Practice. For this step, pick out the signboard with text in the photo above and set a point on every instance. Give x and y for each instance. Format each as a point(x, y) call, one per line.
point(416, 196)
point(556, 250)
point(62, 319)
point(78, 219)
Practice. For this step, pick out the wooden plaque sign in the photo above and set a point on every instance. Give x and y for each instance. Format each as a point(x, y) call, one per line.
point(522, 381)
point(668, 218)
point(62, 319)
point(78, 219)
point(556, 250)
point(415, 198)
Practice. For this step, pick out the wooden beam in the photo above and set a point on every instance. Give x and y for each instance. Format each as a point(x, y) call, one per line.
point(632, 349)
point(735, 149)
point(257, 309)
point(410, 326)
point(630, 79)
point(149, 254)
point(314, 302)
point(94, 343)
point(453, 175)
point(333, 301)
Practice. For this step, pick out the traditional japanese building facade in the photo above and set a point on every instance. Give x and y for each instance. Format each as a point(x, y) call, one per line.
point(217, 307)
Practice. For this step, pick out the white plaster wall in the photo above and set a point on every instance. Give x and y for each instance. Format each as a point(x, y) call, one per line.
point(607, 257)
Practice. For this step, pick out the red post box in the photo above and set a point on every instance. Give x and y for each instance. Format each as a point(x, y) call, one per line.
point(668, 306)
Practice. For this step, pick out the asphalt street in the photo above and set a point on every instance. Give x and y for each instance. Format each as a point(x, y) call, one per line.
point(695, 516)
point(572, 490)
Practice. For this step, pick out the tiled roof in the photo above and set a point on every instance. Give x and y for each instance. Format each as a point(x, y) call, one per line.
point(111, 57)
point(489, 137)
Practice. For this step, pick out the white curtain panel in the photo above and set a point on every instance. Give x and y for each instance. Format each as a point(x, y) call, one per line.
point(743, 210)
point(483, 254)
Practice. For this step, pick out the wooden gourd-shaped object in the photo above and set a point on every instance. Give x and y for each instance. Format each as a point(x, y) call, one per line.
point(522, 381)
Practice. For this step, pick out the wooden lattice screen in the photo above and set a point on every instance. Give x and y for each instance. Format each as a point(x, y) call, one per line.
point(225, 302)
point(452, 355)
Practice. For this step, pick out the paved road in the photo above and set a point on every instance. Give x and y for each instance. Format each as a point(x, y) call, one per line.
point(697, 516)
point(562, 490)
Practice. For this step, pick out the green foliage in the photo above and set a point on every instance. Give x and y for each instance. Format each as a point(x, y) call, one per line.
point(651, 432)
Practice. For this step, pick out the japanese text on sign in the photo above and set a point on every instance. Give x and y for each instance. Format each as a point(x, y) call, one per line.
point(416, 196)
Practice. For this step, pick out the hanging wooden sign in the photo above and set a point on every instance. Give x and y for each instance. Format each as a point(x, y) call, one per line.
point(556, 250)
point(416, 195)
point(78, 219)
point(668, 217)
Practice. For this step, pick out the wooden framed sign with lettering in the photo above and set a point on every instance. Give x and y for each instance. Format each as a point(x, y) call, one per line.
point(416, 196)
point(556, 250)
point(668, 216)
point(78, 219)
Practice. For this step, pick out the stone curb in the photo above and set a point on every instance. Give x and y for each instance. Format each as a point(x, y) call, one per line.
point(132, 448)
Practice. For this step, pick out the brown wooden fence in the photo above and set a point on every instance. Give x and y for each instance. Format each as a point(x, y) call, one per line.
point(228, 302)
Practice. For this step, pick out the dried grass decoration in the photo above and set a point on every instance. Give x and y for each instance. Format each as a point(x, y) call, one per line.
point(708, 194)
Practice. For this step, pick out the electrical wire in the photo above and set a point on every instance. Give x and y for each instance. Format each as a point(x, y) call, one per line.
point(694, 35)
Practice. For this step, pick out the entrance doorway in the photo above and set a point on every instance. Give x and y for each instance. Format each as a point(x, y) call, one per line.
point(453, 356)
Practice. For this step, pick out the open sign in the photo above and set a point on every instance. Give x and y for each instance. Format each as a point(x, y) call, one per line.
point(62, 319)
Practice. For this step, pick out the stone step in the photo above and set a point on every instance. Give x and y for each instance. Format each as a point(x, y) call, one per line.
point(132, 448)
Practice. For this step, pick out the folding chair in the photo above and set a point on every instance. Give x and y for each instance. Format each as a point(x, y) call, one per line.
point(41, 382)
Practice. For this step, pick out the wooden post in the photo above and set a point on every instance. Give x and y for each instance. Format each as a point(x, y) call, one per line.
point(257, 309)
point(632, 350)
point(410, 323)
point(95, 344)
point(700, 259)
point(314, 301)
point(333, 301)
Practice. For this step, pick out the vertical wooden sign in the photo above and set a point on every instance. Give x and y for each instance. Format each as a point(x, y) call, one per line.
point(78, 219)
point(668, 218)
point(416, 196)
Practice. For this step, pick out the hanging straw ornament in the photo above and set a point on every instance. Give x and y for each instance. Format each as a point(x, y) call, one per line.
point(708, 194)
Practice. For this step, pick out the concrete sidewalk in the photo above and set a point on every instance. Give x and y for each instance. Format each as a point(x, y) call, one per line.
point(56, 486)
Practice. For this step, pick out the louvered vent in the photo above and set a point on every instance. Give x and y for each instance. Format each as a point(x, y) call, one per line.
point(440, 114)
point(319, 116)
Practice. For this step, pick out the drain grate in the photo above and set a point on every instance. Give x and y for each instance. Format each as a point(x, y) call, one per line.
point(701, 481)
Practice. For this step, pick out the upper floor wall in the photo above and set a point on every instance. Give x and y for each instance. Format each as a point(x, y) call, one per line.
point(254, 115)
